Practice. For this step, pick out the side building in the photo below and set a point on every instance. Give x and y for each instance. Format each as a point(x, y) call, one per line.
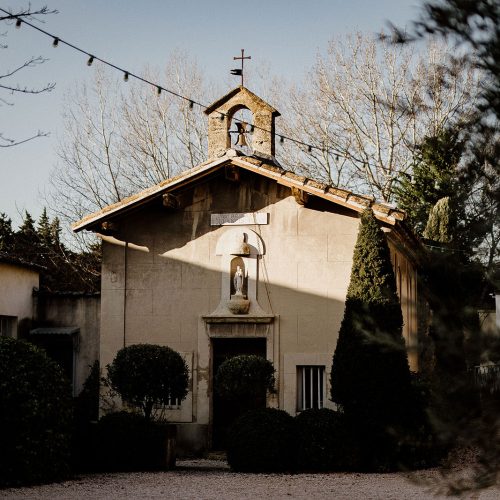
point(66, 325)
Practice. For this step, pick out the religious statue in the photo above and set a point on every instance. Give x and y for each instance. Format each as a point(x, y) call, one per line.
point(238, 281)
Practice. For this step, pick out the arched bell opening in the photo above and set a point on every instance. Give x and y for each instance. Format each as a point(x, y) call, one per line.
point(241, 127)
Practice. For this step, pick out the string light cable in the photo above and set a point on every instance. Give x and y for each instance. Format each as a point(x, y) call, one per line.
point(57, 41)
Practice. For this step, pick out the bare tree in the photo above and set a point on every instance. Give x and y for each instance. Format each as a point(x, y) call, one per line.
point(8, 78)
point(124, 137)
point(366, 106)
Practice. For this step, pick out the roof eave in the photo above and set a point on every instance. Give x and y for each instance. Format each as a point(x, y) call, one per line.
point(147, 195)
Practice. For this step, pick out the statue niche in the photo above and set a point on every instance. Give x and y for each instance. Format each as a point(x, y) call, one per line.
point(240, 249)
point(239, 278)
point(238, 302)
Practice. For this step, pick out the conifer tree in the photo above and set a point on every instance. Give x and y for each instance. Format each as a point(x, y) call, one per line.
point(44, 229)
point(6, 233)
point(441, 223)
point(435, 176)
point(370, 377)
point(26, 244)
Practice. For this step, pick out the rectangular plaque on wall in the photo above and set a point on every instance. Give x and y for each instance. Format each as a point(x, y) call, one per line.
point(238, 219)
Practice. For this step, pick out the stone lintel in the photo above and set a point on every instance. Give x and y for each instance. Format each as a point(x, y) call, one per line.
point(238, 318)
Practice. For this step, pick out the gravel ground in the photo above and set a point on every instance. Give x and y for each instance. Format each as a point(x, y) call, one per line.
point(211, 479)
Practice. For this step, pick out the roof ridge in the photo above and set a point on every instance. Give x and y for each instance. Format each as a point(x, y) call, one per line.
point(330, 192)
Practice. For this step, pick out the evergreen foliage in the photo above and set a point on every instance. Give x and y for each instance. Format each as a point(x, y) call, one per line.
point(441, 222)
point(35, 416)
point(6, 233)
point(245, 377)
point(61, 269)
point(262, 440)
point(148, 376)
point(370, 377)
point(323, 442)
point(473, 26)
point(436, 175)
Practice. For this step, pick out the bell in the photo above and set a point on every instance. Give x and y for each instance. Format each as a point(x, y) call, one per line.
point(241, 134)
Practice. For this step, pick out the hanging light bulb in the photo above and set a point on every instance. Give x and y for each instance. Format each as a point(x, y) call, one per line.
point(90, 61)
point(55, 43)
point(125, 76)
point(18, 23)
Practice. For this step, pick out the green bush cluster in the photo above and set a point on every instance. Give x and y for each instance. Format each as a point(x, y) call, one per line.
point(244, 376)
point(35, 416)
point(262, 441)
point(322, 441)
point(148, 376)
point(317, 440)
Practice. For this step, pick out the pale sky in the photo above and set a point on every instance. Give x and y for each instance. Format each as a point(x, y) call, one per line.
point(284, 34)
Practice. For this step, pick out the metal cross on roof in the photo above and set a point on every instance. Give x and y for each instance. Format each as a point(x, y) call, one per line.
point(239, 71)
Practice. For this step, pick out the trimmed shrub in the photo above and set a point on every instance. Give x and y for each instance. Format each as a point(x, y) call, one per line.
point(130, 442)
point(35, 416)
point(262, 440)
point(370, 377)
point(324, 441)
point(148, 376)
point(245, 377)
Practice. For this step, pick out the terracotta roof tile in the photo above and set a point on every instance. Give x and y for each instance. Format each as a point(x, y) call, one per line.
point(335, 194)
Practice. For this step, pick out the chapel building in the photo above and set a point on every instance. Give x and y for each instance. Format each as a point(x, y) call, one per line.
point(239, 255)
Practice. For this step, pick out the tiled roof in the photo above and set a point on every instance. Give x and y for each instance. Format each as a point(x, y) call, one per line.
point(356, 202)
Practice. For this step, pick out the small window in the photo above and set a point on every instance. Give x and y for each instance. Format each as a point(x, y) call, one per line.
point(7, 325)
point(310, 387)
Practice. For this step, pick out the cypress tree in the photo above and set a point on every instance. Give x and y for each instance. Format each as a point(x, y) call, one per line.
point(441, 222)
point(370, 377)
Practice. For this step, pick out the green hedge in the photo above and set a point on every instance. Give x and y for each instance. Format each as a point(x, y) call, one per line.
point(35, 416)
point(325, 442)
point(262, 441)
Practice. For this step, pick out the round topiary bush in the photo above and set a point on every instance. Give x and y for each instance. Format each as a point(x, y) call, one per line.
point(148, 376)
point(262, 441)
point(35, 416)
point(245, 378)
point(323, 442)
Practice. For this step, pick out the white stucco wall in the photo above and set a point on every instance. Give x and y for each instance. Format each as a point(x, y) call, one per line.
point(161, 278)
point(16, 289)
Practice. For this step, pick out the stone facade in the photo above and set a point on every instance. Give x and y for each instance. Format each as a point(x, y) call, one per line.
point(171, 258)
